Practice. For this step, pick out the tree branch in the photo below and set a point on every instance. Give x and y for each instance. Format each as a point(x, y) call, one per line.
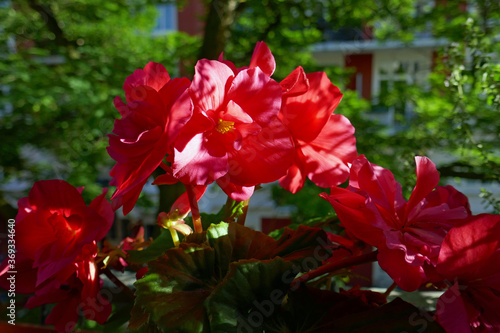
point(51, 22)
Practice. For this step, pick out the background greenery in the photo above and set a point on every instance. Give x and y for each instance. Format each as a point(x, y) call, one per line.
point(63, 62)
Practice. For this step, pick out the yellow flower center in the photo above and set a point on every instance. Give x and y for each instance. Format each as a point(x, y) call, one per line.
point(224, 126)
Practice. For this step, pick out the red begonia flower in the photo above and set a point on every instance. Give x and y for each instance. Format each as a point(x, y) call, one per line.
point(53, 224)
point(157, 109)
point(234, 131)
point(65, 314)
point(324, 142)
point(78, 292)
point(261, 57)
point(75, 289)
point(408, 235)
point(470, 259)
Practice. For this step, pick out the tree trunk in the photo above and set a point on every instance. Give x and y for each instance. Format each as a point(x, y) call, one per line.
point(220, 19)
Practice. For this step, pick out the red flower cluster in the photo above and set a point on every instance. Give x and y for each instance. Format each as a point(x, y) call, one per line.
point(408, 234)
point(56, 236)
point(235, 126)
point(432, 237)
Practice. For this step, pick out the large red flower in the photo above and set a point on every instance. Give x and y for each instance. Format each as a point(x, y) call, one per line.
point(408, 234)
point(157, 109)
point(79, 292)
point(324, 142)
point(53, 224)
point(234, 135)
point(470, 260)
point(56, 234)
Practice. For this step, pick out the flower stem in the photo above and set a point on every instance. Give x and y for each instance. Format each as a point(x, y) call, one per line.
point(195, 211)
point(390, 289)
point(123, 288)
point(230, 211)
point(175, 236)
point(243, 216)
point(334, 266)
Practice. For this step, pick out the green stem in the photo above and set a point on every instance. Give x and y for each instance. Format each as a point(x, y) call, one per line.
point(243, 216)
point(334, 266)
point(175, 236)
point(228, 208)
point(230, 213)
point(195, 211)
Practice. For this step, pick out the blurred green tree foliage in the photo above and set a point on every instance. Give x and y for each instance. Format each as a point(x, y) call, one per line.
point(62, 64)
point(64, 61)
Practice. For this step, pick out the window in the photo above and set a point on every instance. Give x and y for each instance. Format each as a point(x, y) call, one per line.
point(167, 19)
point(395, 73)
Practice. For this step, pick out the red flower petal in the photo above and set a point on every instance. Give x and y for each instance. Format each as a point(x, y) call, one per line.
point(380, 185)
point(196, 166)
point(358, 215)
point(406, 276)
point(235, 192)
point(305, 115)
point(263, 58)
point(181, 206)
point(145, 135)
point(451, 312)
point(469, 246)
point(295, 178)
point(104, 209)
point(263, 158)
point(62, 195)
point(153, 75)
point(296, 83)
point(327, 156)
point(258, 95)
point(427, 180)
point(209, 84)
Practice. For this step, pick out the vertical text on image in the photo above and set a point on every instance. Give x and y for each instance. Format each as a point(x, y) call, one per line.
point(11, 266)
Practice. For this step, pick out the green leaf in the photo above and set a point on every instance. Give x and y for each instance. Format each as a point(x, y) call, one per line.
point(306, 246)
point(239, 263)
point(119, 317)
point(252, 291)
point(153, 251)
point(233, 242)
point(233, 209)
point(174, 289)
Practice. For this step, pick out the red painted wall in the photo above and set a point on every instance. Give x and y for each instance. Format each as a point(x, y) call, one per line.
point(190, 17)
point(362, 63)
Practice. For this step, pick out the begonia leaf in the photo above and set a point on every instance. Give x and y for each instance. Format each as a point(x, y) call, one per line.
point(175, 288)
point(234, 242)
point(120, 316)
point(227, 256)
point(251, 291)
